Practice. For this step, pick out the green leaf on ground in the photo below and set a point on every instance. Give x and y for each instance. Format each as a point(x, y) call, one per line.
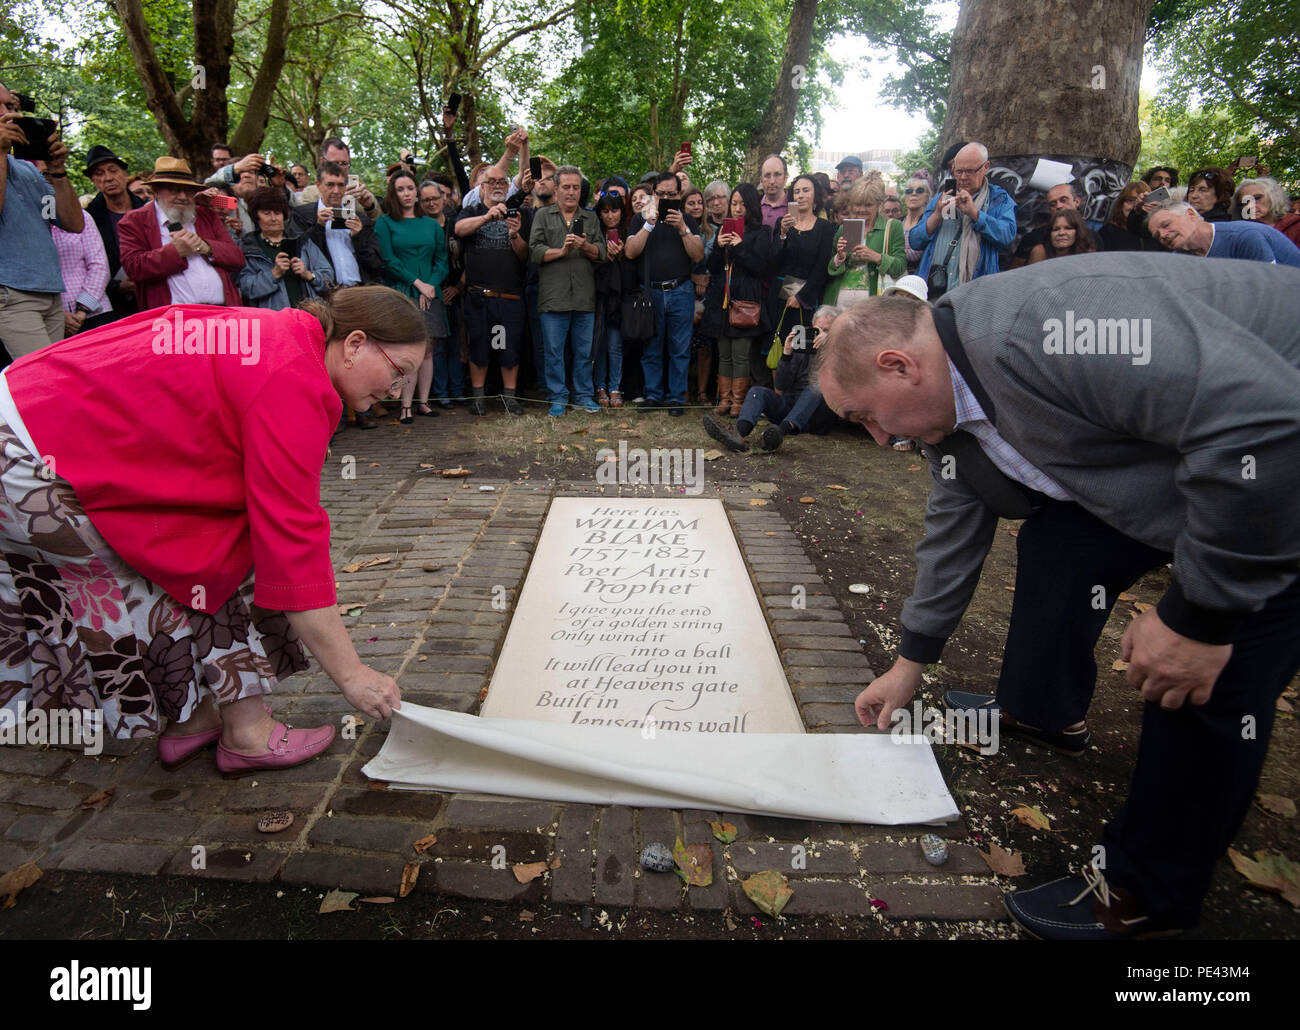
point(769, 890)
point(694, 863)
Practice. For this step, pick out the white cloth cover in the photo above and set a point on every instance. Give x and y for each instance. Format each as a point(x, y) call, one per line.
point(836, 777)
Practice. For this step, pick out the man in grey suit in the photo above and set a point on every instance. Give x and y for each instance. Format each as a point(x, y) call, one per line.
point(1135, 410)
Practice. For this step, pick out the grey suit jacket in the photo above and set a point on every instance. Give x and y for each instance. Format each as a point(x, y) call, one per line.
point(1194, 450)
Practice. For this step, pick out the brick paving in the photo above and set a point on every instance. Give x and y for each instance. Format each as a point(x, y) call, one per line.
point(429, 619)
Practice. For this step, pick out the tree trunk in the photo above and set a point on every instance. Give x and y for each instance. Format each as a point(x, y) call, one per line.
point(1052, 80)
point(778, 119)
point(252, 127)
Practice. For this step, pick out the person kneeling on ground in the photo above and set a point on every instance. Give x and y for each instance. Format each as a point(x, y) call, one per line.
point(794, 406)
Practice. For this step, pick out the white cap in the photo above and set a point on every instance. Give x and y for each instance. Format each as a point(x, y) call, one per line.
point(912, 284)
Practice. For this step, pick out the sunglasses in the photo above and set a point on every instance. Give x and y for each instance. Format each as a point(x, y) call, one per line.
point(915, 189)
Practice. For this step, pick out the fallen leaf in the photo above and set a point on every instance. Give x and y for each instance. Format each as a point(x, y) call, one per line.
point(100, 799)
point(913, 468)
point(1126, 596)
point(423, 465)
point(1270, 871)
point(337, 901)
point(555, 862)
point(425, 843)
point(15, 881)
point(423, 658)
point(385, 899)
point(835, 486)
point(410, 873)
point(1276, 804)
point(561, 447)
point(527, 872)
point(1032, 817)
point(1283, 705)
point(599, 439)
point(350, 609)
point(769, 891)
point(807, 500)
point(731, 923)
point(758, 502)
point(357, 566)
point(1012, 589)
point(377, 785)
point(526, 917)
point(725, 832)
point(456, 473)
point(1119, 665)
point(579, 431)
point(540, 439)
point(482, 694)
point(1004, 863)
point(1142, 606)
point(375, 464)
point(712, 455)
point(694, 863)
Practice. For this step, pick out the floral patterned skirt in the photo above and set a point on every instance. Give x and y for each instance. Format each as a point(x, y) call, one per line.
point(79, 628)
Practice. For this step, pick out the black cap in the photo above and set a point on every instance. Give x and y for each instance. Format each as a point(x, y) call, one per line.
point(98, 155)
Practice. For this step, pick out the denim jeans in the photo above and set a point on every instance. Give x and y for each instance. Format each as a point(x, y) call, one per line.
point(448, 369)
point(559, 328)
point(609, 363)
point(805, 412)
point(674, 323)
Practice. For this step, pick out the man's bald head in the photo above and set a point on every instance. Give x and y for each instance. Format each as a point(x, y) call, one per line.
point(883, 366)
point(970, 166)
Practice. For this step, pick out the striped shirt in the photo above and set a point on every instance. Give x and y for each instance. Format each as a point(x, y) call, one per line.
point(85, 267)
point(971, 417)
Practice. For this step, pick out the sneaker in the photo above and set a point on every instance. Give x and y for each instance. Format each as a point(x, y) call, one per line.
point(772, 438)
point(637, 400)
point(1082, 908)
point(512, 405)
point(724, 434)
point(591, 409)
point(1072, 743)
point(556, 410)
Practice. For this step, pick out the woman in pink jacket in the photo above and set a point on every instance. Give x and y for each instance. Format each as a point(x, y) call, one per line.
point(163, 551)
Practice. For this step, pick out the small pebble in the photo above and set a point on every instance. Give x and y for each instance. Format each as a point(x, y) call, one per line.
point(934, 849)
point(275, 822)
point(657, 858)
point(859, 588)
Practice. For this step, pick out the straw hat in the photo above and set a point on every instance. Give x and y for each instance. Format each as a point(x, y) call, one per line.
point(173, 171)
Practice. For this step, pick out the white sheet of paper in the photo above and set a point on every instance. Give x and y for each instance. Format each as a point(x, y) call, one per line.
point(838, 777)
point(1050, 173)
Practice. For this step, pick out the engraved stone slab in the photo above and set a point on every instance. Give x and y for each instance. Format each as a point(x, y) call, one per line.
point(640, 613)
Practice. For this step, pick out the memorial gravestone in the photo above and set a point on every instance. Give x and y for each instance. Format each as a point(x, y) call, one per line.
point(640, 613)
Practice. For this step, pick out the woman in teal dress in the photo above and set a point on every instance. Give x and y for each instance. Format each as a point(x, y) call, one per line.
point(414, 248)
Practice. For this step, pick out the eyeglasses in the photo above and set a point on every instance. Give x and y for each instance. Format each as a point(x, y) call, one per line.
point(911, 190)
point(967, 171)
point(496, 182)
point(402, 377)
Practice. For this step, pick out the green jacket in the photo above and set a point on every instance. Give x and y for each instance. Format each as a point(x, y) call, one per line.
point(569, 283)
point(854, 275)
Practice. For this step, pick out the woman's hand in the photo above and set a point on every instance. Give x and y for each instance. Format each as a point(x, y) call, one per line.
point(282, 265)
point(372, 692)
point(300, 270)
point(787, 223)
point(613, 248)
point(864, 253)
point(427, 292)
point(728, 239)
point(841, 248)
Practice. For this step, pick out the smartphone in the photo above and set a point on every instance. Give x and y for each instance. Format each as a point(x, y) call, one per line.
point(174, 227)
point(686, 146)
point(453, 103)
point(854, 232)
point(347, 209)
point(734, 225)
point(666, 205)
point(611, 235)
point(535, 168)
point(37, 131)
point(354, 181)
point(1156, 196)
point(289, 245)
point(224, 203)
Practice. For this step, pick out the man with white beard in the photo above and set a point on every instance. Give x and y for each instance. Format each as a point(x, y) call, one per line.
point(494, 243)
point(175, 252)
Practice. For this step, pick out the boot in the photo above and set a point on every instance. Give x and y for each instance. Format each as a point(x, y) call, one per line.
point(739, 387)
point(724, 434)
point(724, 396)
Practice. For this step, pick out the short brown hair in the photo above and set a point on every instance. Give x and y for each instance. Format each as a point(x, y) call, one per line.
point(267, 198)
point(383, 314)
point(329, 168)
point(862, 331)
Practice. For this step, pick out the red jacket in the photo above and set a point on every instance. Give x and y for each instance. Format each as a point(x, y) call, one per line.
point(193, 464)
point(148, 263)
point(1289, 226)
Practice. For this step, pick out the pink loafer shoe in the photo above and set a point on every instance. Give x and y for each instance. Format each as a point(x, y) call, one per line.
point(286, 747)
point(175, 751)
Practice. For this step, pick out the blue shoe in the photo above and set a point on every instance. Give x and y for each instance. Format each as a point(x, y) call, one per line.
point(556, 410)
point(1082, 908)
point(592, 408)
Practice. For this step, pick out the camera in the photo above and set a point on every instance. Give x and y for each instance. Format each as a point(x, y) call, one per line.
point(516, 200)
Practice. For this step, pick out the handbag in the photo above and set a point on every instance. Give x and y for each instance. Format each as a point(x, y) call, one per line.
point(741, 314)
point(937, 280)
point(638, 315)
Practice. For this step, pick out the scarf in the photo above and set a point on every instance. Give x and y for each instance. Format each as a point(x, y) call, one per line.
point(968, 250)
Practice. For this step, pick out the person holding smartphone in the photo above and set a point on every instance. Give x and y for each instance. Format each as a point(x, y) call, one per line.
point(31, 301)
point(279, 273)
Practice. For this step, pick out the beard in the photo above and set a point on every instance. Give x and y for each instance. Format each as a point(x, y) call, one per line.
point(177, 213)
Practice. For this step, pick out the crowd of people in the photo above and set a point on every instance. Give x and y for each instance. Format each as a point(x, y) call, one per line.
point(603, 291)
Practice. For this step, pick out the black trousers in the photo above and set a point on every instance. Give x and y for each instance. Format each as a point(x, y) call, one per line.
point(1198, 766)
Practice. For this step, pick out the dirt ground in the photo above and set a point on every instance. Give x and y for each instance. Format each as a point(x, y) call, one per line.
point(864, 533)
